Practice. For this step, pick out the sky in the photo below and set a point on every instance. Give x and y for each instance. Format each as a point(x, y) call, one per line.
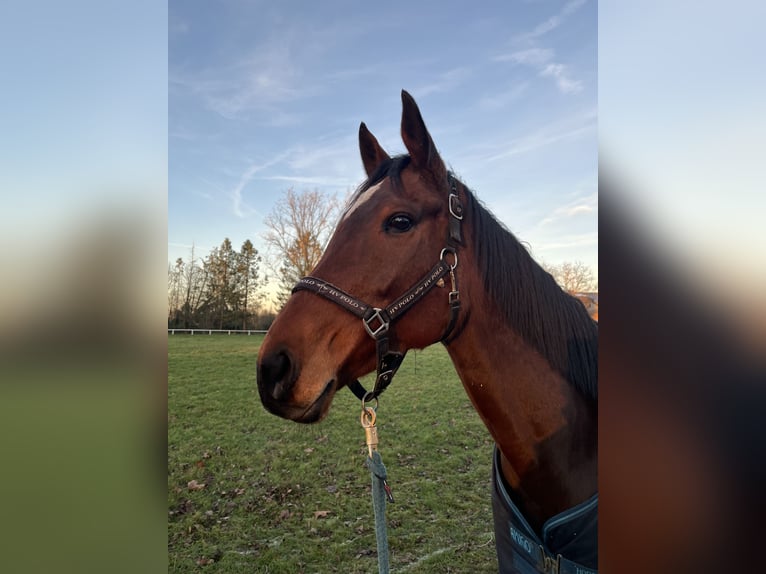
point(264, 96)
point(83, 125)
point(682, 122)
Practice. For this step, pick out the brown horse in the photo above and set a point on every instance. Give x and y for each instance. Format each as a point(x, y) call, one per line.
point(420, 260)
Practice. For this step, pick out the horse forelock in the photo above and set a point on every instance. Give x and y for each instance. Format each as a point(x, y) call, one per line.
point(391, 167)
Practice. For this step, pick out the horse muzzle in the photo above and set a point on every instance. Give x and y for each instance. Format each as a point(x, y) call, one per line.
point(277, 375)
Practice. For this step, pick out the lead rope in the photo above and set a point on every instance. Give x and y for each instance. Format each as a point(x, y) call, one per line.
point(381, 492)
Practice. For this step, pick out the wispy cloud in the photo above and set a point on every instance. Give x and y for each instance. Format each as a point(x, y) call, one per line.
point(560, 73)
point(262, 81)
point(318, 180)
point(528, 57)
point(554, 21)
point(325, 165)
point(445, 82)
point(541, 59)
point(321, 154)
point(217, 188)
point(501, 99)
point(239, 206)
point(578, 206)
point(547, 135)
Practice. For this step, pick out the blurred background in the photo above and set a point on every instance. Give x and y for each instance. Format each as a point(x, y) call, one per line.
point(83, 170)
point(681, 253)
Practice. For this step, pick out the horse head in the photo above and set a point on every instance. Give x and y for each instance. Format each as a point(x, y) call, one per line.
point(400, 224)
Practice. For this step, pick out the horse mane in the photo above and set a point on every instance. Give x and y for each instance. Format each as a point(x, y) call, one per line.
point(544, 315)
point(550, 320)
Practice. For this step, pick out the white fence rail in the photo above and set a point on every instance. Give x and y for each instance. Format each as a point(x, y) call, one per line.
point(211, 331)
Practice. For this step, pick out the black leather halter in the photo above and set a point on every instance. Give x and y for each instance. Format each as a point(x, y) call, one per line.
point(377, 321)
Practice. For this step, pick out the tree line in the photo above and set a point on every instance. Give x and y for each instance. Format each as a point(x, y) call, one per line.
point(220, 291)
point(226, 289)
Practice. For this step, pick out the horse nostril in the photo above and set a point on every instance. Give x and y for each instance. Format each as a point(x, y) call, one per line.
point(276, 375)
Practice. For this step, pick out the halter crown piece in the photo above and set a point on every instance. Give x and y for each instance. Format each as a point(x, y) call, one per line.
point(377, 321)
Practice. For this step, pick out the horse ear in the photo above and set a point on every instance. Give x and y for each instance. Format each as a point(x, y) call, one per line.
point(418, 141)
point(372, 154)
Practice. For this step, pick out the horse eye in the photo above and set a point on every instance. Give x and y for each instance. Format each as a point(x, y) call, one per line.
point(399, 223)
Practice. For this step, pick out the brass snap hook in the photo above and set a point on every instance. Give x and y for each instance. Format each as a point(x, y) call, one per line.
point(368, 417)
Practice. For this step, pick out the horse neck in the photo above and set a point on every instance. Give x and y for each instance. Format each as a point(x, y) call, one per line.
point(545, 429)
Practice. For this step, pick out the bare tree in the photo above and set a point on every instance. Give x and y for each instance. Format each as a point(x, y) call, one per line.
point(573, 277)
point(299, 227)
point(194, 280)
point(175, 285)
point(186, 282)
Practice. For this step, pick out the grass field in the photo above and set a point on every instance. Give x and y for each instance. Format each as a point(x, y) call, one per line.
point(250, 492)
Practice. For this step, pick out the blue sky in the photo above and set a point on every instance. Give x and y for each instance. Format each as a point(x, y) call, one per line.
point(264, 96)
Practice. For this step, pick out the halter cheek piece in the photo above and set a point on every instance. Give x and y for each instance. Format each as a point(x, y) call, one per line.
point(377, 322)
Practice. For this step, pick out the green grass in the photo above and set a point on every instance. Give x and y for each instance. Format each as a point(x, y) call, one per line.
point(281, 497)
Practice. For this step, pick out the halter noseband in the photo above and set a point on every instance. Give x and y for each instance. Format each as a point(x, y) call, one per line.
point(377, 321)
